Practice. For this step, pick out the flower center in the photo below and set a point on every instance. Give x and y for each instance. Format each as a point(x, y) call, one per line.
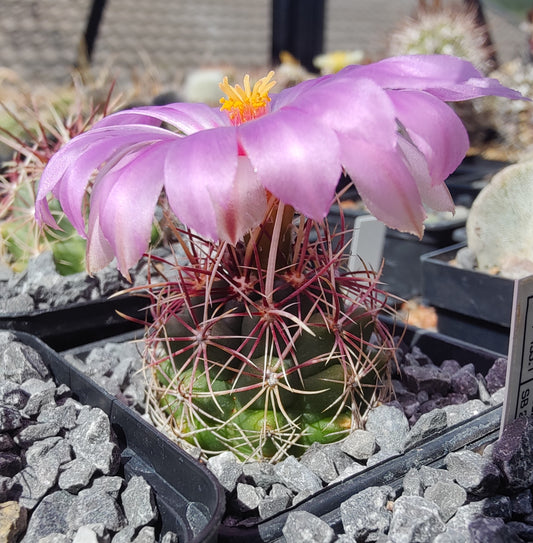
point(245, 104)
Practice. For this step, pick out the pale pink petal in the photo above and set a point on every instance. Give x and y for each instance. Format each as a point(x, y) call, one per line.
point(247, 207)
point(124, 201)
point(446, 77)
point(198, 171)
point(385, 184)
point(188, 118)
point(358, 108)
point(296, 158)
point(434, 128)
point(435, 196)
point(99, 252)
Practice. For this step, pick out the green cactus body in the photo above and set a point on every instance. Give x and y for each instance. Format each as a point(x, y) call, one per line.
point(264, 370)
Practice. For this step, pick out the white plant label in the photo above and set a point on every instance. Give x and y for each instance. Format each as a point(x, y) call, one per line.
point(518, 400)
point(367, 243)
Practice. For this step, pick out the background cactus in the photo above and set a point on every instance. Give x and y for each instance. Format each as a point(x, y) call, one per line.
point(500, 224)
point(451, 29)
point(236, 364)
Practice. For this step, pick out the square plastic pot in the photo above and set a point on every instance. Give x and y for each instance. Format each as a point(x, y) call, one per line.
point(326, 503)
point(402, 275)
point(190, 501)
point(471, 305)
point(75, 324)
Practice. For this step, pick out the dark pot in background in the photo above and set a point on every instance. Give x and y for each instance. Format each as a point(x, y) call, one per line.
point(471, 305)
point(401, 252)
point(79, 323)
point(184, 489)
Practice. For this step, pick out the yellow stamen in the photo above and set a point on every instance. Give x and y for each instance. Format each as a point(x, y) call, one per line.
point(245, 104)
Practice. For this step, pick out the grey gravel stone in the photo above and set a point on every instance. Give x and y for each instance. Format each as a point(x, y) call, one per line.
point(465, 411)
point(76, 475)
point(52, 446)
point(389, 425)
point(111, 485)
point(35, 480)
point(50, 516)
point(360, 444)
point(227, 468)
point(426, 426)
point(36, 432)
point(412, 483)
point(12, 395)
point(260, 474)
point(415, 519)
point(273, 504)
point(365, 515)
point(447, 496)
point(303, 527)
point(40, 392)
point(64, 415)
point(91, 507)
point(475, 473)
point(91, 439)
point(18, 363)
point(297, 476)
point(249, 496)
point(86, 534)
point(145, 535)
point(138, 502)
point(320, 463)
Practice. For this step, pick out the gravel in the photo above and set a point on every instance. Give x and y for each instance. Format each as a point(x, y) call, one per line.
point(433, 505)
point(60, 475)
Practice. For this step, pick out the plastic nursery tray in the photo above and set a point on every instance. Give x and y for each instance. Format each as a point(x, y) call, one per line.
point(190, 500)
point(79, 323)
point(326, 503)
point(471, 305)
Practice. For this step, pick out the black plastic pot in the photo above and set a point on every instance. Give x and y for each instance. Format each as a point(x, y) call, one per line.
point(190, 500)
point(79, 323)
point(402, 275)
point(471, 305)
point(326, 503)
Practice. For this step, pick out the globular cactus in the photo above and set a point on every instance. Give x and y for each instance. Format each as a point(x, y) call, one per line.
point(450, 30)
point(500, 224)
point(264, 364)
point(446, 30)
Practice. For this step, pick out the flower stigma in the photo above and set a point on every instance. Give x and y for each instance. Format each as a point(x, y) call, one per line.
point(245, 104)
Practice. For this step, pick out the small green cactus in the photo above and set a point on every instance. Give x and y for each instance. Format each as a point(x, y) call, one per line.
point(264, 365)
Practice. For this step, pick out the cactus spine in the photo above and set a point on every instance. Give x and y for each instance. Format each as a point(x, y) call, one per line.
point(268, 346)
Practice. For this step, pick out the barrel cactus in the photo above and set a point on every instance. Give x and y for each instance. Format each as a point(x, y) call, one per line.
point(265, 375)
point(262, 342)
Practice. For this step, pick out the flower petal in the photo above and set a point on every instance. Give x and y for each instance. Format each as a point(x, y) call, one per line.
point(188, 118)
point(434, 128)
point(296, 158)
point(199, 170)
point(385, 184)
point(247, 207)
point(447, 77)
point(124, 201)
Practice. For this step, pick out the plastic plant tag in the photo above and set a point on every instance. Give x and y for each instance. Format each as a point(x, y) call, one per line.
point(518, 400)
point(366, 250)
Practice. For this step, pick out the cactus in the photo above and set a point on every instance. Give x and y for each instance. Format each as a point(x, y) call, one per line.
point(266, 364)
point(450, 30)
point(33, 135)
point(499, 225)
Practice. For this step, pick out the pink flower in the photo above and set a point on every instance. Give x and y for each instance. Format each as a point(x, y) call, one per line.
point(386, 124)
